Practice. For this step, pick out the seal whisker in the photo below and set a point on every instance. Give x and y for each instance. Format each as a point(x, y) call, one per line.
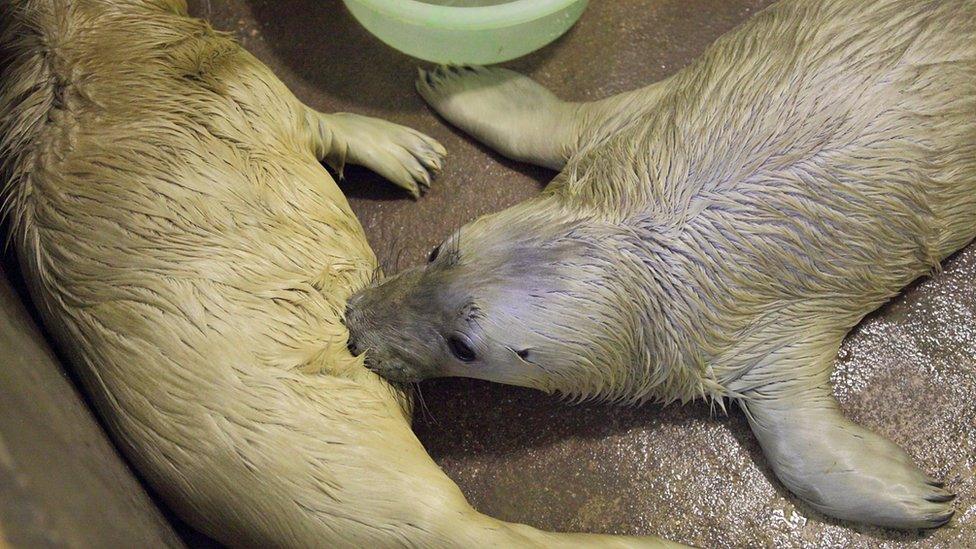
point(424, 410)
point(390, 261)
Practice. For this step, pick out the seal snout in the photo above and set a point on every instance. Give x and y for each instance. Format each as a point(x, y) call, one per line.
point(353, 319)
point(353, 345)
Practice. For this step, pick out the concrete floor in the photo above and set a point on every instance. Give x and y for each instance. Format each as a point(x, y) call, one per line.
point(685, 473)
point(55, 459)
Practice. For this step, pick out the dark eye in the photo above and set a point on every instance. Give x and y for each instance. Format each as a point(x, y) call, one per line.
point(433, 254)
point(460, 349)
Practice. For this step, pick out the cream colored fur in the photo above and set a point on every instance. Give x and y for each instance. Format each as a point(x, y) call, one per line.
point(192, 256)
point(715, 234)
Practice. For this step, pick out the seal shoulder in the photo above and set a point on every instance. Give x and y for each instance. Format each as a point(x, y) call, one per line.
point(714, 130)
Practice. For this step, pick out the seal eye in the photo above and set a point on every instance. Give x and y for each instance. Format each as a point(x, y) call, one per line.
point(433, 254)
point(460, 349)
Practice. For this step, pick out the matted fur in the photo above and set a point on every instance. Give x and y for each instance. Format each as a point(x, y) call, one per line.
point(715, 234)
point(184, 244)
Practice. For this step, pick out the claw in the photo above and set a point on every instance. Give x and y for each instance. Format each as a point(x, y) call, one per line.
point(439, 150)
point(413, 189)
point(941, 498)
point(942, 519)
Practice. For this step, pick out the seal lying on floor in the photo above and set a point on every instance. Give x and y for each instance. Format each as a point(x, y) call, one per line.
point(715, 234)
point(192, 256)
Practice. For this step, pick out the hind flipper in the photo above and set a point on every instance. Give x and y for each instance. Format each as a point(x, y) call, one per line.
point(505, 110)
point(521, 119)
point(838, 467)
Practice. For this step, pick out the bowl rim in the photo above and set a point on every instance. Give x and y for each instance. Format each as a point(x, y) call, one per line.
point(508, 14)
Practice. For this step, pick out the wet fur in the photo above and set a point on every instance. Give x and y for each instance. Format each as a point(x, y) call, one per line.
point(192, 256)
point(717, 234)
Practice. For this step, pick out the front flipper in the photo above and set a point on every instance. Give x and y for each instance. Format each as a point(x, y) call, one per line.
point(402, 155)
point(505, 110)
point(840, 468)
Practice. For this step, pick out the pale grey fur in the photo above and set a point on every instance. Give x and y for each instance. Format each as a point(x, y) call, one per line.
point(715, 234)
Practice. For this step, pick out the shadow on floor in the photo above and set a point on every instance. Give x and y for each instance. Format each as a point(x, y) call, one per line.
point(338, 56)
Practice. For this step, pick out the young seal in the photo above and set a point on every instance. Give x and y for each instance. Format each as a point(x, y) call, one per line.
point(713, 235)
point(193, 257)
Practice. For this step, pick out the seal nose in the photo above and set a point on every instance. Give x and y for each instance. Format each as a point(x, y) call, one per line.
point(353, 345)
point(351, 320)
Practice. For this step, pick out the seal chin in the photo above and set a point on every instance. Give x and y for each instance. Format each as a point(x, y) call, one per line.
point(394, 370)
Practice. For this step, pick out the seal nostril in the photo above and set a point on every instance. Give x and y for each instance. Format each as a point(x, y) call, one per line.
point(351, 320)
point(352, 346)
point(352, 343)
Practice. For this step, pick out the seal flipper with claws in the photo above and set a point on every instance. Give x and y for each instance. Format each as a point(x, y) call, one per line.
point(503, 109)
point(715, 234)
point(402, 155)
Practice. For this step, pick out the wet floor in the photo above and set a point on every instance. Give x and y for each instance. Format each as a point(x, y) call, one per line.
point(688, 473)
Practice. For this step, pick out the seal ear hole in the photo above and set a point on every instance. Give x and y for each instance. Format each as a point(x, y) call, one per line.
point(523, 354)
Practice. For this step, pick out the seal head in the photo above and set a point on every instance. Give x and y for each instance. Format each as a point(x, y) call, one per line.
point(523, 297)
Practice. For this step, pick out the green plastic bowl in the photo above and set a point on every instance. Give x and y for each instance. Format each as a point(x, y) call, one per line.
point(477, 32)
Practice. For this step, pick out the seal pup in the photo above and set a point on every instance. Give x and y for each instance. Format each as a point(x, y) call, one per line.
point(192, 256)
point(714, 235)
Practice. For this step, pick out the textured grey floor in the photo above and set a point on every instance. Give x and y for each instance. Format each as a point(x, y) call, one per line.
point(681, 472)
point(55, 460)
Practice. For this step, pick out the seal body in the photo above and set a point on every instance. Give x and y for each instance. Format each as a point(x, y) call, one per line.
point(715, 234)
point(193, 257)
